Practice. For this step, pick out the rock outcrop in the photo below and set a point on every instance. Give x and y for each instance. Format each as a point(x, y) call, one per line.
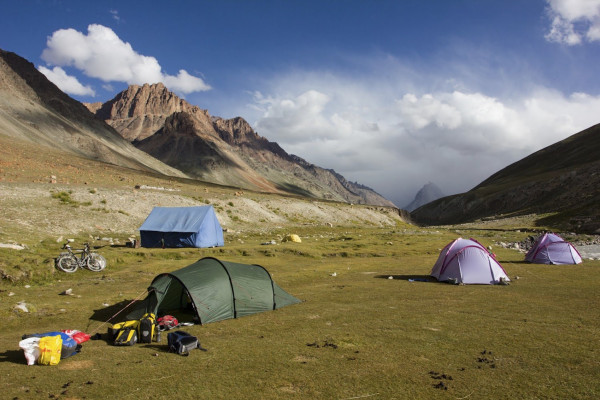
point(140, 111)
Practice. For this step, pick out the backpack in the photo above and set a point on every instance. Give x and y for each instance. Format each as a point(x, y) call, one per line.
point(147, 328)
point(167, 322)
point(124, 333)
point(181, 342)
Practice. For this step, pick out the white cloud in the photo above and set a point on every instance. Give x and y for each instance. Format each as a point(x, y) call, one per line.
point(66, 83)
point(115, 15)
point(562, 31)
point(299, 119)
point(573, 21)
point(396, 141)
point(419, 113)
point(102, 54)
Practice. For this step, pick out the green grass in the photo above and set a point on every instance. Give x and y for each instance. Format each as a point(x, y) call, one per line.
point(65, 198)
point(355, 335)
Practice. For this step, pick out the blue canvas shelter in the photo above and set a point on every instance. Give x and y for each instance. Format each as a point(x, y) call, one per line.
point(182, 227)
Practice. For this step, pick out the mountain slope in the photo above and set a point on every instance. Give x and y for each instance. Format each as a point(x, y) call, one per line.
point(217, 150)
point(34, 109)
point(563, 178)
point(428, 193)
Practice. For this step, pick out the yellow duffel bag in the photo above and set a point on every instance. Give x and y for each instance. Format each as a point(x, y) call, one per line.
point(50, 349)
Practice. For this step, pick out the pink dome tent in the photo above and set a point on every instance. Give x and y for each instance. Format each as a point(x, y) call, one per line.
point(552, 249)
point(466, 261)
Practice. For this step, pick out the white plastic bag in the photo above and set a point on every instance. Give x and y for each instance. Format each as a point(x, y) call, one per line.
point(31, 347)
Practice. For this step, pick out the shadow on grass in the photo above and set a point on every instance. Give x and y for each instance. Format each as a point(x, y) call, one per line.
point(416, 278)
point(163, 347)
point(502, 262)
point(13, 356)
point(115, 312)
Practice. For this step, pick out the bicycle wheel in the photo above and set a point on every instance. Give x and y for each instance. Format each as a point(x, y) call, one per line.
point(96, 262)
point(67, 263)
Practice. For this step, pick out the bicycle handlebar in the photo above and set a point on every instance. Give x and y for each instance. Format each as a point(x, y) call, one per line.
point(86, 246)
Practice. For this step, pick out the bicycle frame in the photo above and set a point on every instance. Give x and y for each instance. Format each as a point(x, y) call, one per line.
point(83, 253)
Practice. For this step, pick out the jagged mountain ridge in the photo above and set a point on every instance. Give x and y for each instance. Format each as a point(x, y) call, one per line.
point(33, 109)
point(428, 193)
point(562, 179)
point(217, 150)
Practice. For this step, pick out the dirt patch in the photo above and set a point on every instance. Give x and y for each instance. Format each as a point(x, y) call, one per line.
point(71, 365)
point(304, 359)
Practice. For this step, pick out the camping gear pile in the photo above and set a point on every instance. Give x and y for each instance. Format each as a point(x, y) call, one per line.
point(50, 347)
point(148, 329)
point(128, 333)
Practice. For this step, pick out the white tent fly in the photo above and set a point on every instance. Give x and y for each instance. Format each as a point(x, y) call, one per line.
point(552, 249)
point(466, 261)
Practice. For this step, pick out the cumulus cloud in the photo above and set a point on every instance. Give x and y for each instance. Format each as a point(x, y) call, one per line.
point(299, 119)
point(397, 142)
point(573, 21)
point(103, 55)
point(68, 84)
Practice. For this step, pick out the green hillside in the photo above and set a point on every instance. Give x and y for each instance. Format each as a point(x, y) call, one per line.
point(560, 182)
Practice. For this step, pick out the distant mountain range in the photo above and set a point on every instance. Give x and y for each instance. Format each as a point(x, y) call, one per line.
point(149, 128)
point(428, 193)
point(223, 151)
point(561, 180)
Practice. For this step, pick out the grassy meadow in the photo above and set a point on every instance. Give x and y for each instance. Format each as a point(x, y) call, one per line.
point(358, 334)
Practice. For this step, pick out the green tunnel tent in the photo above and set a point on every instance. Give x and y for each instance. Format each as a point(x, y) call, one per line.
point(214, 290)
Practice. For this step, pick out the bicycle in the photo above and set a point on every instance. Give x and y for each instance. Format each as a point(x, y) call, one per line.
point(69, 262)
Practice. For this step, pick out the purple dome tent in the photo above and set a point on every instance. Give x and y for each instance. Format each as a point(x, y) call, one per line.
point(552, 249)
point(466, 261)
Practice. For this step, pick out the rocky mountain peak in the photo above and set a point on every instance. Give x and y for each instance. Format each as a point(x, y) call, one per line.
point(147, 99)
point(428, 193)
point(140, 111)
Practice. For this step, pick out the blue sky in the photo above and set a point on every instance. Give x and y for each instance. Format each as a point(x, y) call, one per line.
point(392, 94)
